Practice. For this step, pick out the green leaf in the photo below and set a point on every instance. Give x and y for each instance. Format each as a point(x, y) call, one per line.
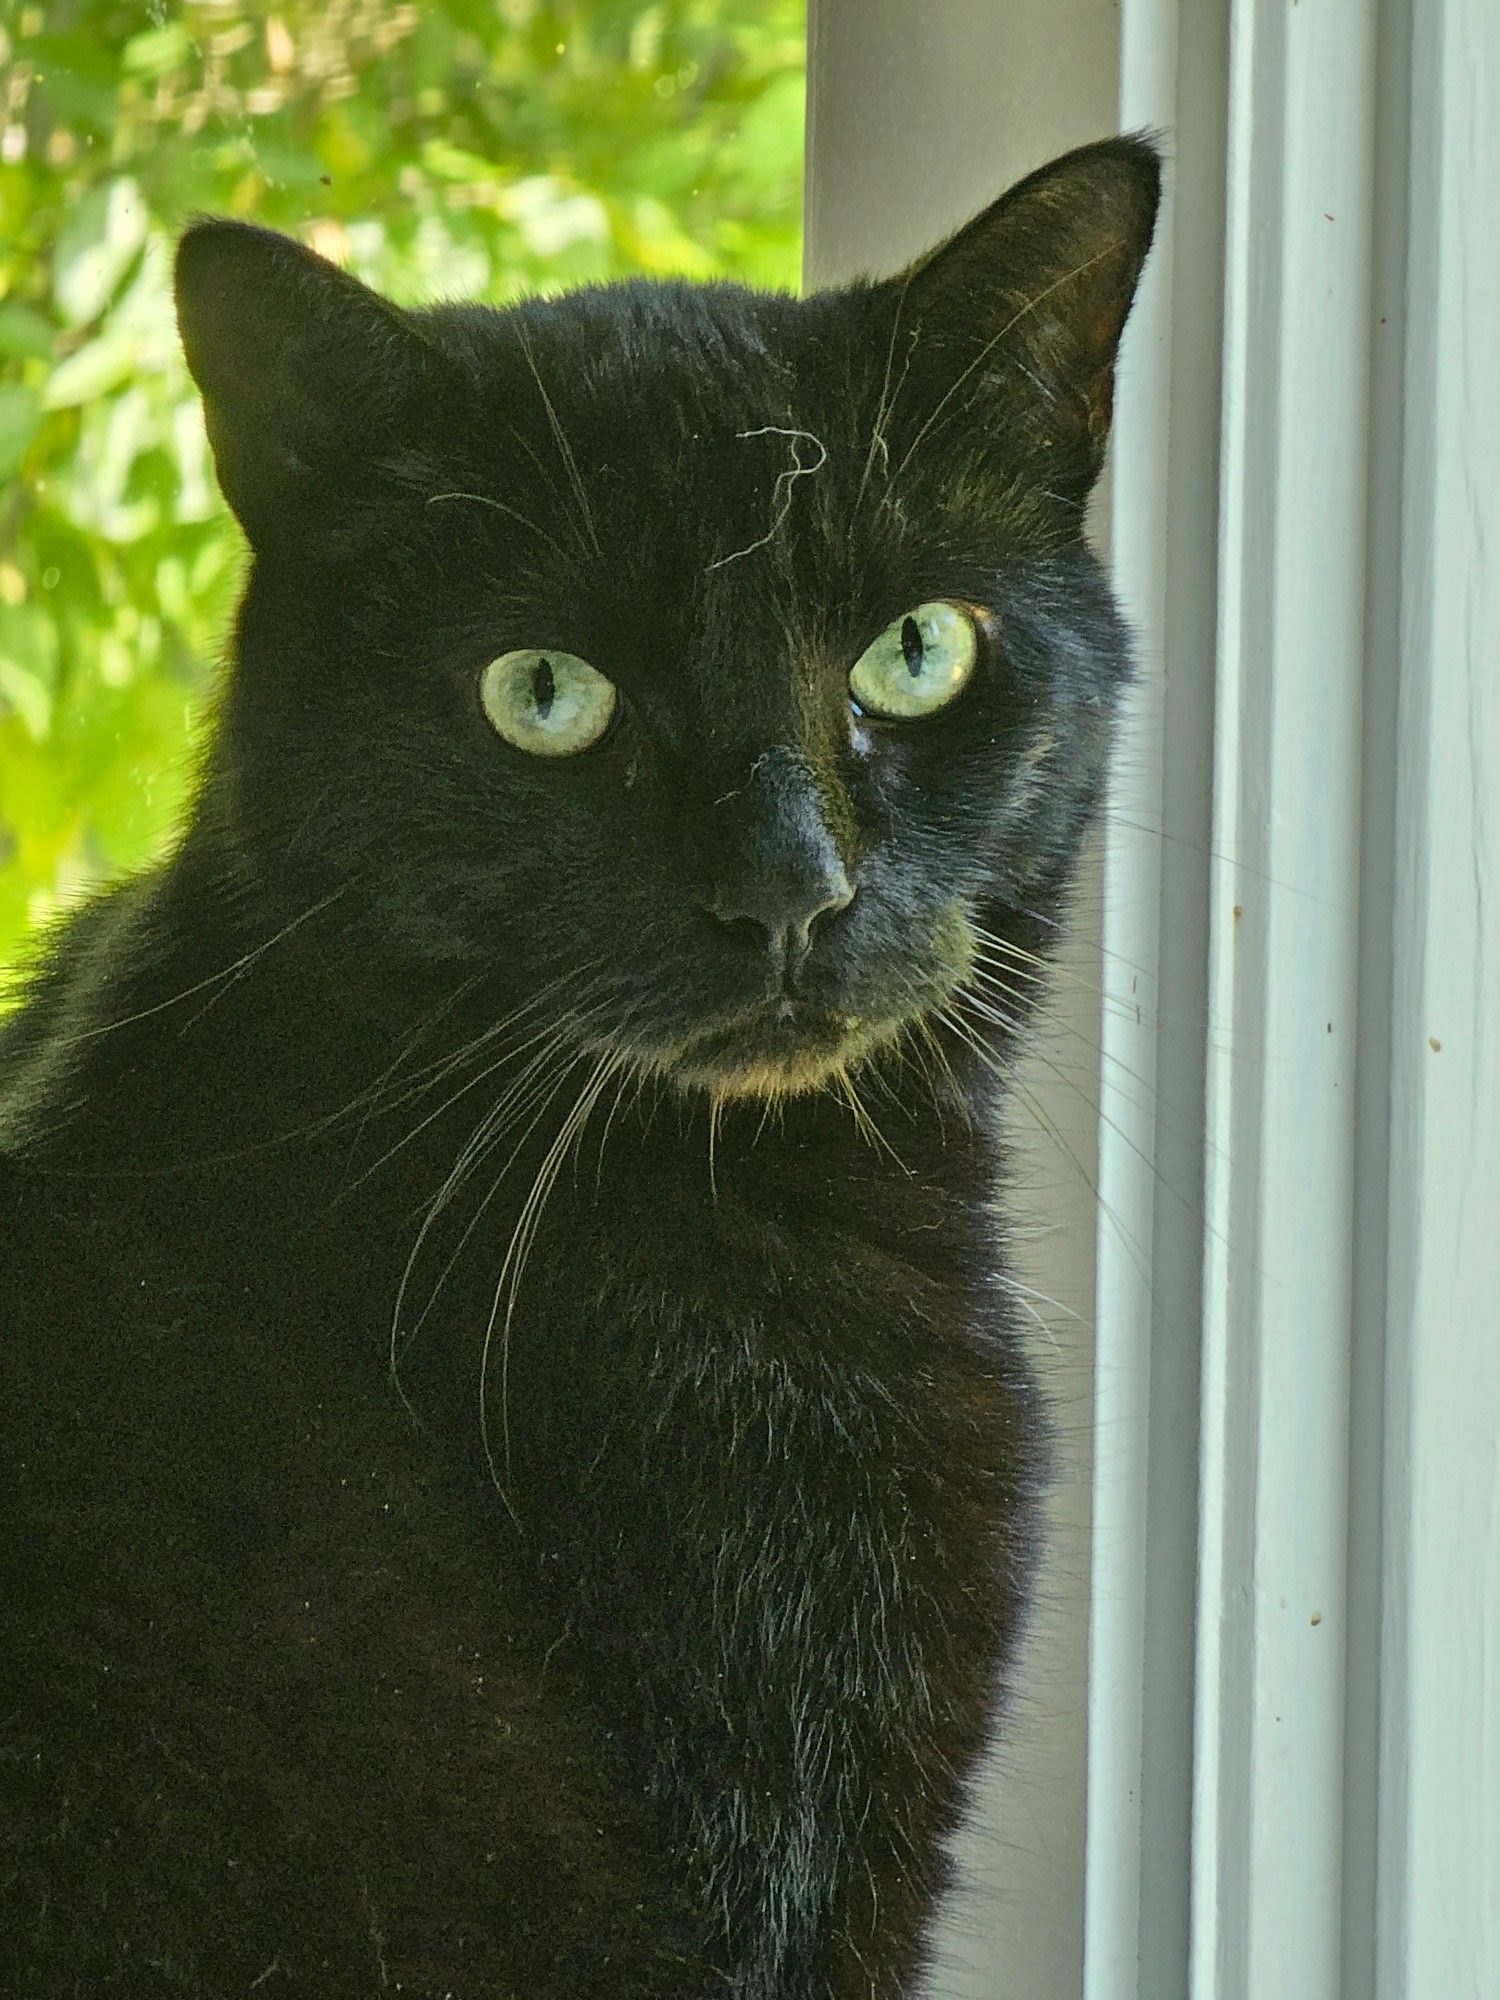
point(90, 372)
point(20, 420)
point(452, 163)
point(24, 332)
point(96, 249)
point(157, 50)
point(28, 666)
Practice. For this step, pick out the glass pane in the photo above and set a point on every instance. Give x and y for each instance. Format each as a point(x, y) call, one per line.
point(448, 150)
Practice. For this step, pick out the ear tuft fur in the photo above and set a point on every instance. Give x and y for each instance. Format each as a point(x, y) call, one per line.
point(1028, 301)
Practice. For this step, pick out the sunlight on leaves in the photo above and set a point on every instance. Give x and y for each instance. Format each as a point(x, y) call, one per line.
point(461, 148)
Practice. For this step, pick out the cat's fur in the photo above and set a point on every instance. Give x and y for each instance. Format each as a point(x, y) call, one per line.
point(665, 1679)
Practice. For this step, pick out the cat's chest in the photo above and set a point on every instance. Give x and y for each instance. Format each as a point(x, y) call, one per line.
point(765, 1371)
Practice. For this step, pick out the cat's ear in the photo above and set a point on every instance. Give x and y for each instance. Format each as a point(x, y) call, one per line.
point(307, 375)
point(1025, 306)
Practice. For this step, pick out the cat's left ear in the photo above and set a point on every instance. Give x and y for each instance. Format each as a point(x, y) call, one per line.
point(307, 376)
point(1023, 309)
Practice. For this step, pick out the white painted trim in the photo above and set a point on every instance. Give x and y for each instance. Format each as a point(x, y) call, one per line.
point(1299, 1832)
point(1278, 1279)
point(1125, 1298)
point(1173, 78)
point(1439, 1865)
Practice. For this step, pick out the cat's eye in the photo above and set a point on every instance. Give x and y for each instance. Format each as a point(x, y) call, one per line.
point(918, 665)
point(550, 704)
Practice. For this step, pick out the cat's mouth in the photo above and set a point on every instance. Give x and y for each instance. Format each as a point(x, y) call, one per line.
point(786, 1045)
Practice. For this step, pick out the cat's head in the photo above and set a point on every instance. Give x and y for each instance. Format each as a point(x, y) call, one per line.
point(714, 670)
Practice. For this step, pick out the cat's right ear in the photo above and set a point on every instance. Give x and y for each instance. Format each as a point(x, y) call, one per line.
point(1021, 312)
point(307, 376)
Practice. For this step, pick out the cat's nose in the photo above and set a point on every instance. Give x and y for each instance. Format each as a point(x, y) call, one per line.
point(779, 908)
point(774, 869)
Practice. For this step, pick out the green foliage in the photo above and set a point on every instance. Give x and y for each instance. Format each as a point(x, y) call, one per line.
point(460, 148)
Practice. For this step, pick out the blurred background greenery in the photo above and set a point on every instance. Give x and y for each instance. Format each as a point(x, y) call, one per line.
point(474, 148)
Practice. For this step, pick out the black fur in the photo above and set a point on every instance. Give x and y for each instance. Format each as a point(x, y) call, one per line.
point(388, 1610)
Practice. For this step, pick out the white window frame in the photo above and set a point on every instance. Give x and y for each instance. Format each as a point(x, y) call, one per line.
point(1293, 1714)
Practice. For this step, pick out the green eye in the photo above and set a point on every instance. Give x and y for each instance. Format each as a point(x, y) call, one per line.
point(918, 664)
point(551, 704)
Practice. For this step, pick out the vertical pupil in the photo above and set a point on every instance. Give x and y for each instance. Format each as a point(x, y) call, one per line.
point(543, 687)
point(911, 646)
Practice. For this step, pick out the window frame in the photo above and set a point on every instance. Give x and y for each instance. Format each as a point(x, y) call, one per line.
point(1295, 1548)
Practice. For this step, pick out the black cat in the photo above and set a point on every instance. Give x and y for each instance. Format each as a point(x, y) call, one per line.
point(520, 1467)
